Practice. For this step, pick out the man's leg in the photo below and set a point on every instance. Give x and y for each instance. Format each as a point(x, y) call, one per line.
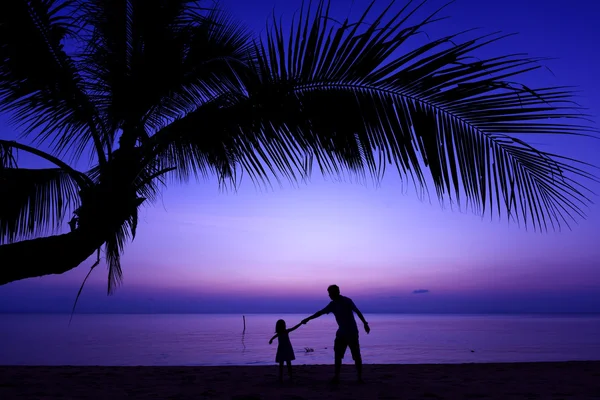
point(356, 356)
point(339, 348)
point(338, 368)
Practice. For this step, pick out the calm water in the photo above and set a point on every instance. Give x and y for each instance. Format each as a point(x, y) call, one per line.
point(217, 339)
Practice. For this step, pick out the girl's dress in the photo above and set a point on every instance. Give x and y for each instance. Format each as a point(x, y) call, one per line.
point(285, 351)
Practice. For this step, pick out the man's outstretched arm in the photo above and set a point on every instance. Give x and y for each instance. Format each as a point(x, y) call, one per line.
point(315, 315)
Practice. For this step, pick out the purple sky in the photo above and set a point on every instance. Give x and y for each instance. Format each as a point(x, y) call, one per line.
point(202, 250)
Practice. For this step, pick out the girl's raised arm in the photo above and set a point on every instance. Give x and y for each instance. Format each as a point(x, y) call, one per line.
point(293, 328)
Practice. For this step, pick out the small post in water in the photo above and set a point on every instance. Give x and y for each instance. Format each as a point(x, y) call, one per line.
point(244, 318)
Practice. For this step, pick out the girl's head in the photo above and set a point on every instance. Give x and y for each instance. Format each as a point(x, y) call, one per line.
point(280, 326)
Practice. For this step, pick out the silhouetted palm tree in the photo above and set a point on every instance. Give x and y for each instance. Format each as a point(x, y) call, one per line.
point(152, 88)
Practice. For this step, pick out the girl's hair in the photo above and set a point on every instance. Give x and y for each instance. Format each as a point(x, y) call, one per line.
point(280, 326)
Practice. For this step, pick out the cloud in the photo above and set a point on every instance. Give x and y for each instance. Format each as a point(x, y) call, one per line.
point(419, 291)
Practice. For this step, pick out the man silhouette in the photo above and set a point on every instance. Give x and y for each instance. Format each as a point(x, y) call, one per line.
point(343, 308)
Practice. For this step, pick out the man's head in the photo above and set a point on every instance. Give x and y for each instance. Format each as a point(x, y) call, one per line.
point(334, 292)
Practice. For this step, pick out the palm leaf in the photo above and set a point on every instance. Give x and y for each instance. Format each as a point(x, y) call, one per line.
point(34, 202)
point(8, 159)
point(346, 97)
point(115, 244)
point(7, 156)
point(188, 152)
point(39, 83)
point(217, 50)
point(149, 61)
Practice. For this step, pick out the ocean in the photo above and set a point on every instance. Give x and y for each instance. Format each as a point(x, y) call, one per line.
point(208, 339)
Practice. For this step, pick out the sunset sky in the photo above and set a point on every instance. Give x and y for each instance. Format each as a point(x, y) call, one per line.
point(200, 249)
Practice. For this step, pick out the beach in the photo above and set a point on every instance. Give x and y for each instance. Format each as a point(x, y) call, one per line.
point(560, 380)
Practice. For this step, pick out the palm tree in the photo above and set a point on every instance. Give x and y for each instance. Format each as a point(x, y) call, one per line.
point(151, 89)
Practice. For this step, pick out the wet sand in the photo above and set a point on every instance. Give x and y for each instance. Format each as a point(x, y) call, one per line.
point(561, 380)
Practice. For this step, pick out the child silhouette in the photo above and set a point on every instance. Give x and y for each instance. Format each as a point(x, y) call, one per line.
point(285, 351)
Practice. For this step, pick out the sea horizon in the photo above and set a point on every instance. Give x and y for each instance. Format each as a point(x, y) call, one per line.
point(309, 312)
point(230, 339)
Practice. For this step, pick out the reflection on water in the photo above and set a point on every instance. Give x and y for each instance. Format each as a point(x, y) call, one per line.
point(215, 339)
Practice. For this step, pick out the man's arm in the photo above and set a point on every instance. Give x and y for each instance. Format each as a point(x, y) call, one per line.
point(362, 317)
point(316, 315)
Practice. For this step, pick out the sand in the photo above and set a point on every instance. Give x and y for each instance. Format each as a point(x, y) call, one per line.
point(564, 380)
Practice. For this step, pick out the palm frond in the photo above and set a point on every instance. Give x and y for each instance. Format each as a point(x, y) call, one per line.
point(115, 244)
point(34, 201)
point(193, 152)
point(7, 155)
point(361, 105)
point(39, 84)
point(346, 97)
point(113, 248)
point(217, 51)
point(147, 183)
point(8, 159)
point(149, 61)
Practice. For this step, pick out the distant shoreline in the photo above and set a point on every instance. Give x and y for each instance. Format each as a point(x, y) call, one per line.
point(304, 313)
point(570, 379)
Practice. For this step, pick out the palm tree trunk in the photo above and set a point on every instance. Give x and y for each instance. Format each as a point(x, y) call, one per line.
point(46, 256)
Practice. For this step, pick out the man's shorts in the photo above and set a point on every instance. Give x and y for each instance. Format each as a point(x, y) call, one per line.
point(343, 341)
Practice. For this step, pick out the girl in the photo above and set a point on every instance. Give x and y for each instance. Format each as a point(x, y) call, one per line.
point(285, 351)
